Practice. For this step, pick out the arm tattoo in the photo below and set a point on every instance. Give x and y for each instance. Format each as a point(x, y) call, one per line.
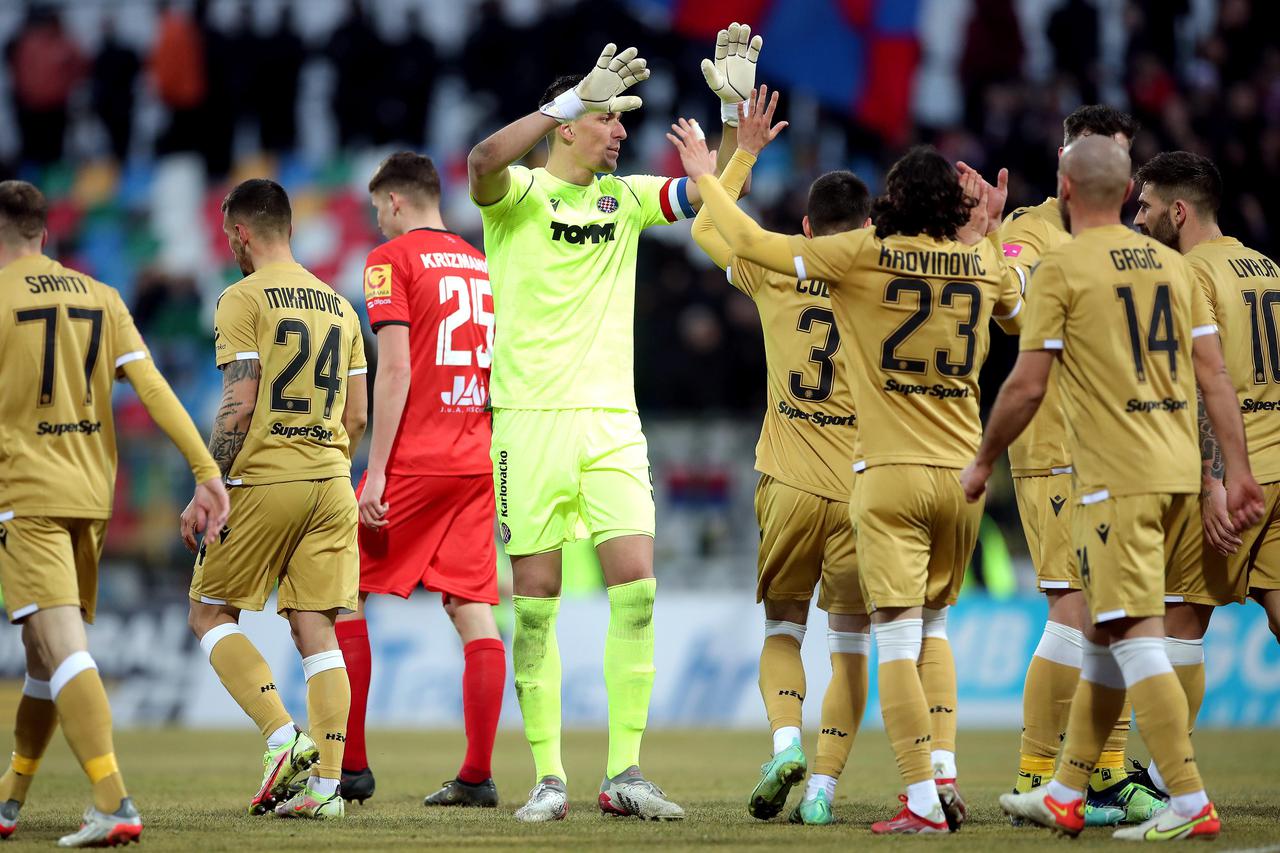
point(1210, 450)
point(228, 432)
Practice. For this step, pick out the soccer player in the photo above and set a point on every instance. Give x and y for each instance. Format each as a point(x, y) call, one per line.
point(1041, 467)
point(570, 459)
point(805, 459)
point(1178, 202)
point(1134, 337)
point(293, 407)
point(426, 500)
point(914, 295)
point(64, 338)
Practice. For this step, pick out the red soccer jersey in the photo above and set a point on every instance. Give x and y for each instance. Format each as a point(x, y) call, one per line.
point(437, 284)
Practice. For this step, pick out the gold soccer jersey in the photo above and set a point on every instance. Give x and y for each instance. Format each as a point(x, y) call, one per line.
point(807, 440)
point(63, 336)
point(916, 312)
point(1026, 235)
point(307, 338)
point(1243, 289)
point(1122, 309)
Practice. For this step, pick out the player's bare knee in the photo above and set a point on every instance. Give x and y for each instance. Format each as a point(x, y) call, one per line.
point(312, 631)
point(786, 610)
point(849, 623)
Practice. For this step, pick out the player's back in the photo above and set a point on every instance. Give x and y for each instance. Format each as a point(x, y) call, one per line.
point(1244, 289)
point(62, 337)
point(1122, 309)
point(809, 431)
point(307, 340)
point(437, 284)
point(917, 311)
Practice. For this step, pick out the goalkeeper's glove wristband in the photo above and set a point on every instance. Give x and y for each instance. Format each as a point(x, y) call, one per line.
point(729, 112)
point(567, 106)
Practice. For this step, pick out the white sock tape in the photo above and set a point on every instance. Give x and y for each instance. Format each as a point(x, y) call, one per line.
point(322, 661)
point(899, 639)
point(1184, 652)
point(782, 628)
point(76, 663)
point(37, 689)
point(848, 643)
point(1141, 658)
point(216, 635)
point(1100, 667)
point(1061, 644)
point(935, 622)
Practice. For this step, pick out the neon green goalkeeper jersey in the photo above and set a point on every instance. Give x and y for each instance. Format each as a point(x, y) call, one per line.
point(562, 264)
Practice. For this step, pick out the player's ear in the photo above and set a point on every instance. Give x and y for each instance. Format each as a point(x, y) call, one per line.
point(804, 226)
point(868, 223)
point(1128, 191)
point(44, 238)
point(566, 133)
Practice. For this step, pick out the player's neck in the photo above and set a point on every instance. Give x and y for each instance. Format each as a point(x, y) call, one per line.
point(265, 256)
point(563, 166)
point(423, 219)
point(1195, 233)
point(10, 253)
point(1086, 219)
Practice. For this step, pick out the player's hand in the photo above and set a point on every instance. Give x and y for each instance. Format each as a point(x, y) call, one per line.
point(997, 196)
point(732, 74)
point(1245, 502)
point(1217, 521)
point(973, 479)
point(373, 511)
point(691, 142)
point(977, 190)
point(206, 514)
point(601, 90)
point(755, 121)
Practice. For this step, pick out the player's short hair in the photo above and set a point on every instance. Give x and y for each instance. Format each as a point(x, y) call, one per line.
point(838, 201)
point(260, 203)
point(23, 212)
point(1181, 174)
point(407, 173)
point(922, 195)
point(1099, 120)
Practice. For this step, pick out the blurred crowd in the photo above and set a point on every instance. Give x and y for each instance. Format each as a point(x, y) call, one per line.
point(114, 101)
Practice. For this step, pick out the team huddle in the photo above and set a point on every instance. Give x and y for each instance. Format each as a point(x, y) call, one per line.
point(505, 391)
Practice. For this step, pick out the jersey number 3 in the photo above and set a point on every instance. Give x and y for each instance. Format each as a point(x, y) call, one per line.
point(820, 355)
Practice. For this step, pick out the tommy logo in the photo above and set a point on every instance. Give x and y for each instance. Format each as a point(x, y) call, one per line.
point(555, 204)
point(1103, 531)
point(606, 204)
point(1057, 502)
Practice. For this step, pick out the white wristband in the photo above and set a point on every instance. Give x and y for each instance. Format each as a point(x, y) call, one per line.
point(567, 106)
point(729, 112)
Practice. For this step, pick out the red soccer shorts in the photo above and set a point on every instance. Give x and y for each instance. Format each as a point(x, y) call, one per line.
point(440, 534)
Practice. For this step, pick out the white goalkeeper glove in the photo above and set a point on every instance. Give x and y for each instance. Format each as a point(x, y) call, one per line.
point(601, 90)
point(733, 73)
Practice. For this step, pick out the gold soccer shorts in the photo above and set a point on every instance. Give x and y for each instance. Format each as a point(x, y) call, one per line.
point(300, 534)
point(1126, 547)
point(1045, 507)
point(915, 534)
point(806, 541)
point(50, 562)
point(566, 474)
point(1223, 580)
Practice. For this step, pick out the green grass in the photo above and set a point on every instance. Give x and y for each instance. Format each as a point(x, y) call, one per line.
point(192, 788)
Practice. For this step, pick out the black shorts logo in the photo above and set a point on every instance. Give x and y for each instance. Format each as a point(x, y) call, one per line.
point(4, 537)
point(1103, 531)
point(506, 533)
point(1057, 502)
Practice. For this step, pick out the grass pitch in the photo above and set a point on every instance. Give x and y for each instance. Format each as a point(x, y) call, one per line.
point(192, 788)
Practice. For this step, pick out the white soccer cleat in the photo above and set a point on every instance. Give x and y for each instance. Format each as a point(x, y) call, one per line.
point(547, 801)
point(1038, 807)
point(1168, 825)
point(106, 830)
point(630, 794)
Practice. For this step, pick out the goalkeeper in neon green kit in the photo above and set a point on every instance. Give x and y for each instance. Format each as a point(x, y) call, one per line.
point(569, 457)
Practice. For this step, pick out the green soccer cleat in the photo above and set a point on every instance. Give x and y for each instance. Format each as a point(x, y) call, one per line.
point(307, 803)
point(815, 811)
point(283, 769)
point(1127, 801)
point(777, 776)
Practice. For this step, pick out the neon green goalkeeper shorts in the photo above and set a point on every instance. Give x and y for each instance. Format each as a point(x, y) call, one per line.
point(566, 474)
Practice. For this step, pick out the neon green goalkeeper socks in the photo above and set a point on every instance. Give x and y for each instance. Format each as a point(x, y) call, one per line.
point(535, 658)
point(628, 669)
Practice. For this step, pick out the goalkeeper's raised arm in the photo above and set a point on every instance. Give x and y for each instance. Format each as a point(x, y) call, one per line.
point(600, 92)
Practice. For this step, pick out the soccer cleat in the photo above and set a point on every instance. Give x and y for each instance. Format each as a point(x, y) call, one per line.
point(282, 768)
point(907, 822)
point(1125, 800)
point(953, 805)
point(777, 776)
point(813, 811)
point(9, 817)
point(308, 803)
point(547, 801)
point(630, 794)
point(455, 792)
point(357, 785)
point(1168, 825)
point(106, 830)
point(1037, 806)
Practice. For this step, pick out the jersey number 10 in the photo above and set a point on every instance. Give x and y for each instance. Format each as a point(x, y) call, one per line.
point(471, 294)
